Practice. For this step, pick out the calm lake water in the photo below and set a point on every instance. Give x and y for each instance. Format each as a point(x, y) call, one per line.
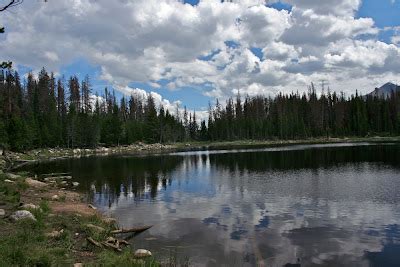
point(319, 205)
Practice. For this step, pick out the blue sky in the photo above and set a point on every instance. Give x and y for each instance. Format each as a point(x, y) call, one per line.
point(191, 54)
point(385, 14)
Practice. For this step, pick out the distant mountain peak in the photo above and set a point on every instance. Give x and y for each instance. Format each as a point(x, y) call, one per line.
point(389, 85)
point(385, 90)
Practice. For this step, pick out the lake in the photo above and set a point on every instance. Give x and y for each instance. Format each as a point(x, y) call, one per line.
point(316, 205)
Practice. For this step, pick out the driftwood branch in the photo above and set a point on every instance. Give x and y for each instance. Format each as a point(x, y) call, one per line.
point(94, 242)
point(16, 165)
point(12, 163)
point(55, 174)
point(110, 242)
point(112, 246)
point(131, 230)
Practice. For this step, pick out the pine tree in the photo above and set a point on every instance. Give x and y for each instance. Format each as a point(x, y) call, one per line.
point(86, 92)
point(151, 121)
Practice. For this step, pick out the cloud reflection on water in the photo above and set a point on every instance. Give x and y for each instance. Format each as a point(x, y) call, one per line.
point(326, 206)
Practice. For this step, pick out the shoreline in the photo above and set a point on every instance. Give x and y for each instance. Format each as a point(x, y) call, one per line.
point(13, 160)
point(48, 223)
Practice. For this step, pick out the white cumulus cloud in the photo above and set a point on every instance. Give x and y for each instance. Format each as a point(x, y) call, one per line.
point(151, 40)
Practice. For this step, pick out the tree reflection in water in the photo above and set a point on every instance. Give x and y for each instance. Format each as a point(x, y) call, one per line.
point(314, 205)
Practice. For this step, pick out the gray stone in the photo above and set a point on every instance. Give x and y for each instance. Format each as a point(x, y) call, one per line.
point(22, 214)
point(142, 253)
point(35, 183)
point(75, 184)
point(2, 212)
point(12, 176)
point(55, 233)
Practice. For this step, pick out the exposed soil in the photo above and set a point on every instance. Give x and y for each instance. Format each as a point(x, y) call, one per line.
point(68, 202)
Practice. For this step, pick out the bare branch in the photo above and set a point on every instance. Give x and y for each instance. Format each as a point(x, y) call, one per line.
point(5, 65)
point(11, 4)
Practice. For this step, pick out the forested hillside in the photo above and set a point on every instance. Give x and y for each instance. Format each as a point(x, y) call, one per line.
point(50, 112)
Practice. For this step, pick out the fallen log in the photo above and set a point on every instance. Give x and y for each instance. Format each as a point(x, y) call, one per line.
point(15, 165)
point(55, 174)
point(112, 246)
point(131, 230)
point(94, 242)
point(124, 242)
point(114, 243)
point(25, 160)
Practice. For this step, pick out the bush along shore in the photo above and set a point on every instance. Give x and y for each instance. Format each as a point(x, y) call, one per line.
point(45, 222)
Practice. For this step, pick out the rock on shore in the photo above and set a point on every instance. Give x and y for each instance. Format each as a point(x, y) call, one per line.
point(35, 183)
point(22, 214)
point(142, 253)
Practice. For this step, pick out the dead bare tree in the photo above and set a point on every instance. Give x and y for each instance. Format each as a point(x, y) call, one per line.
point(3, 7)
point(10, 3)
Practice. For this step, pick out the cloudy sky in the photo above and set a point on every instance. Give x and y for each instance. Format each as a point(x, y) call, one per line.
point(194, 51)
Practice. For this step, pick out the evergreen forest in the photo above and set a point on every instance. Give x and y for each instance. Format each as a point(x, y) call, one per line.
point(49, 112)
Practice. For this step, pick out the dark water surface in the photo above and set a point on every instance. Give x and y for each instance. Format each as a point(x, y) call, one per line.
point(320, 205)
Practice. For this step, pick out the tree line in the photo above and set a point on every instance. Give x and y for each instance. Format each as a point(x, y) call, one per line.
point(49, 112)
point(307, 115)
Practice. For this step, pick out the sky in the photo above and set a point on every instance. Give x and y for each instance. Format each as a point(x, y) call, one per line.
point(192, 52)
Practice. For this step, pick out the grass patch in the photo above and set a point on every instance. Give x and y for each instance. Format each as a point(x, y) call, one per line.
point(108, 258)
point(31, 243)
point(96, 234)
point(10, 192)
point(44, 206)
point(25, 244)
